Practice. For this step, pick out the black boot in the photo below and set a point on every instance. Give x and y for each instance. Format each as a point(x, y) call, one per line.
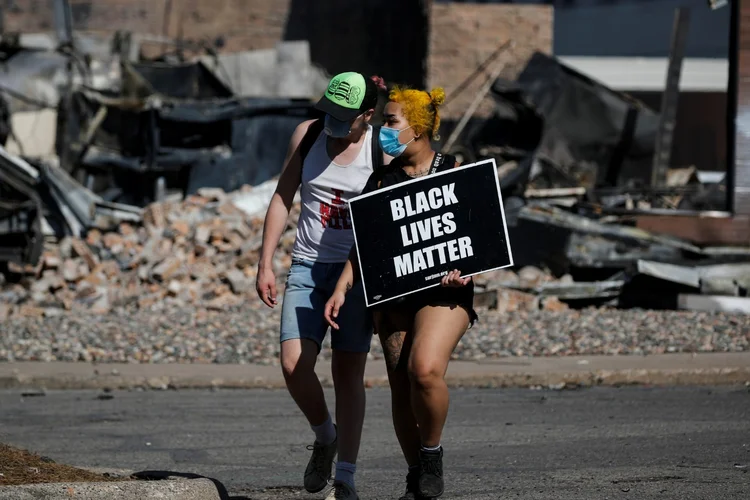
point(431, 473)
point(412, 485)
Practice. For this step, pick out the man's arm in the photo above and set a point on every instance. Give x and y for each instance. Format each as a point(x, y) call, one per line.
point(277, 214)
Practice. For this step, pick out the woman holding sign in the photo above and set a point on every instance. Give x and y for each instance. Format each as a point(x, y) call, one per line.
point(419, 331)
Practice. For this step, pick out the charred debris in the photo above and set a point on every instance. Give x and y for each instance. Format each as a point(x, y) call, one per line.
point(134, 137)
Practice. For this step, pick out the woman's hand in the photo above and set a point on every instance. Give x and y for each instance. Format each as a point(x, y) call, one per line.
point(332, 308)
point(453, 279)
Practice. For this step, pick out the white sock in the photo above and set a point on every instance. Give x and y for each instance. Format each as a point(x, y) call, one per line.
point(431, 448)
point(325, 433)
point(345, 473)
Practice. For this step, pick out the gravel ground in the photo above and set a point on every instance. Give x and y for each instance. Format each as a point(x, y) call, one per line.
point(250, 335)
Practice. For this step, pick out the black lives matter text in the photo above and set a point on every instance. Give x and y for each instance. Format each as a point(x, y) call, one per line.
point(426, 229)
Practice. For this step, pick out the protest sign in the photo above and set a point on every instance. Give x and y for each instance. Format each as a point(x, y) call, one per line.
point(408, 236)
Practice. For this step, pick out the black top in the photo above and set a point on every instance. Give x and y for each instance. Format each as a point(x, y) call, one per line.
point(393, 174)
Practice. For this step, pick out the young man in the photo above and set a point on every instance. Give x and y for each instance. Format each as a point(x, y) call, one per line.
point(331, 159)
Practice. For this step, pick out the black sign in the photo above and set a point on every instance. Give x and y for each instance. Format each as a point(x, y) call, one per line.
point(410, 235)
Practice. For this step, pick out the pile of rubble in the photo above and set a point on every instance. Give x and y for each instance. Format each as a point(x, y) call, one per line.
point(524, 290)
point(202, 251)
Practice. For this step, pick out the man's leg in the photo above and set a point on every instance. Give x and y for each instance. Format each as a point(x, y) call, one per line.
point(298, 357)
point(302, 333)
point(348, 371)
point(351, 344)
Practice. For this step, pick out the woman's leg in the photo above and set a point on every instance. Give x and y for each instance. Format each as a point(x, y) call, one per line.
point(437, 331)
point(395, 337)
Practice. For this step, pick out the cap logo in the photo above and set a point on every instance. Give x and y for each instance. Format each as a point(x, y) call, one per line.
point(344, 91)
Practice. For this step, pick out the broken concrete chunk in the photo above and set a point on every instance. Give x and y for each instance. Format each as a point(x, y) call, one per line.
point(531, 277)
point(512, 300)
point(113, 242)
point(238, 281)
point(166, 270)
point(153, 215)
point(174, 288)
point(26, 310)
point(102, 303)
point(110, 269)
point(247, 260)
point(148, 301)
point(180, 227)
point(203, 270)
point(496, 279)
point(52, 280)
point(202, 234)
point(235, 241)
point(715, 303)
point(66, 248)
point(212, 194)
point(52, 261)
point(554, 304)
point(223, 302)
point(94, 237)
point(81, 249)
point(74, 270)
point(52, 312)
point(126, 229)
point(720, 286)
point(5, 311)
point(241, 229)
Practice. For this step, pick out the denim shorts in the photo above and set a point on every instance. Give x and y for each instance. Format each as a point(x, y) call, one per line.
point(309, 285)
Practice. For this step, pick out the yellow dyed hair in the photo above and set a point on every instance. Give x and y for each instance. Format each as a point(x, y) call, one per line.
point(420, 108)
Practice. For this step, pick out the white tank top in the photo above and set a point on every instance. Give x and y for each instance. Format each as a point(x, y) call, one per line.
point(324, 230)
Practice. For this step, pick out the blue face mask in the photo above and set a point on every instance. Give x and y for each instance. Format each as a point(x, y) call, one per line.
point(336, 128)
point(389, 141)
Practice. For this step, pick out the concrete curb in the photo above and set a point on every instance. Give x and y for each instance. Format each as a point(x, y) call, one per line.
point(560, 372)
point(608, 378)
point(179, 489)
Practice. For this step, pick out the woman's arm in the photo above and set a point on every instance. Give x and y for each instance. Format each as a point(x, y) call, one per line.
point(343, 285)
point(349, 273)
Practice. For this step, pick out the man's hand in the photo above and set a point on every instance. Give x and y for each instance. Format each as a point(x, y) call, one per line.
point(265, 285)
point(332, 308)
point(453, 279)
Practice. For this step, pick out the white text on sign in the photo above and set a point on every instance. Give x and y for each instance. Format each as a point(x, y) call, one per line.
point(427, 229)
point(423, 230)
point(422, 259)
point(424, 202)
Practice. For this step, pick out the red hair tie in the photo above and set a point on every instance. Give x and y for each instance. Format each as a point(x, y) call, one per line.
point(379, 81)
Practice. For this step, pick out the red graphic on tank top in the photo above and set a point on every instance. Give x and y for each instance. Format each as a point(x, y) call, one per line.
point(336, 215)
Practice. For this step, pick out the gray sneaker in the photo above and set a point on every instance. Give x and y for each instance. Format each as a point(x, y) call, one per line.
point(319, 467)
point(342, 491)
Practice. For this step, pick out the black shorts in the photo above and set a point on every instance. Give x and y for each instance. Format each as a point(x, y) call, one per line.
point(435, 296)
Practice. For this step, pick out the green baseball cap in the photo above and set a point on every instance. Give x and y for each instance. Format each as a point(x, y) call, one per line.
point(344, 98)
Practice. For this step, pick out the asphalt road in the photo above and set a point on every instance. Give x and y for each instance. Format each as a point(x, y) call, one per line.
point(627, 443)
